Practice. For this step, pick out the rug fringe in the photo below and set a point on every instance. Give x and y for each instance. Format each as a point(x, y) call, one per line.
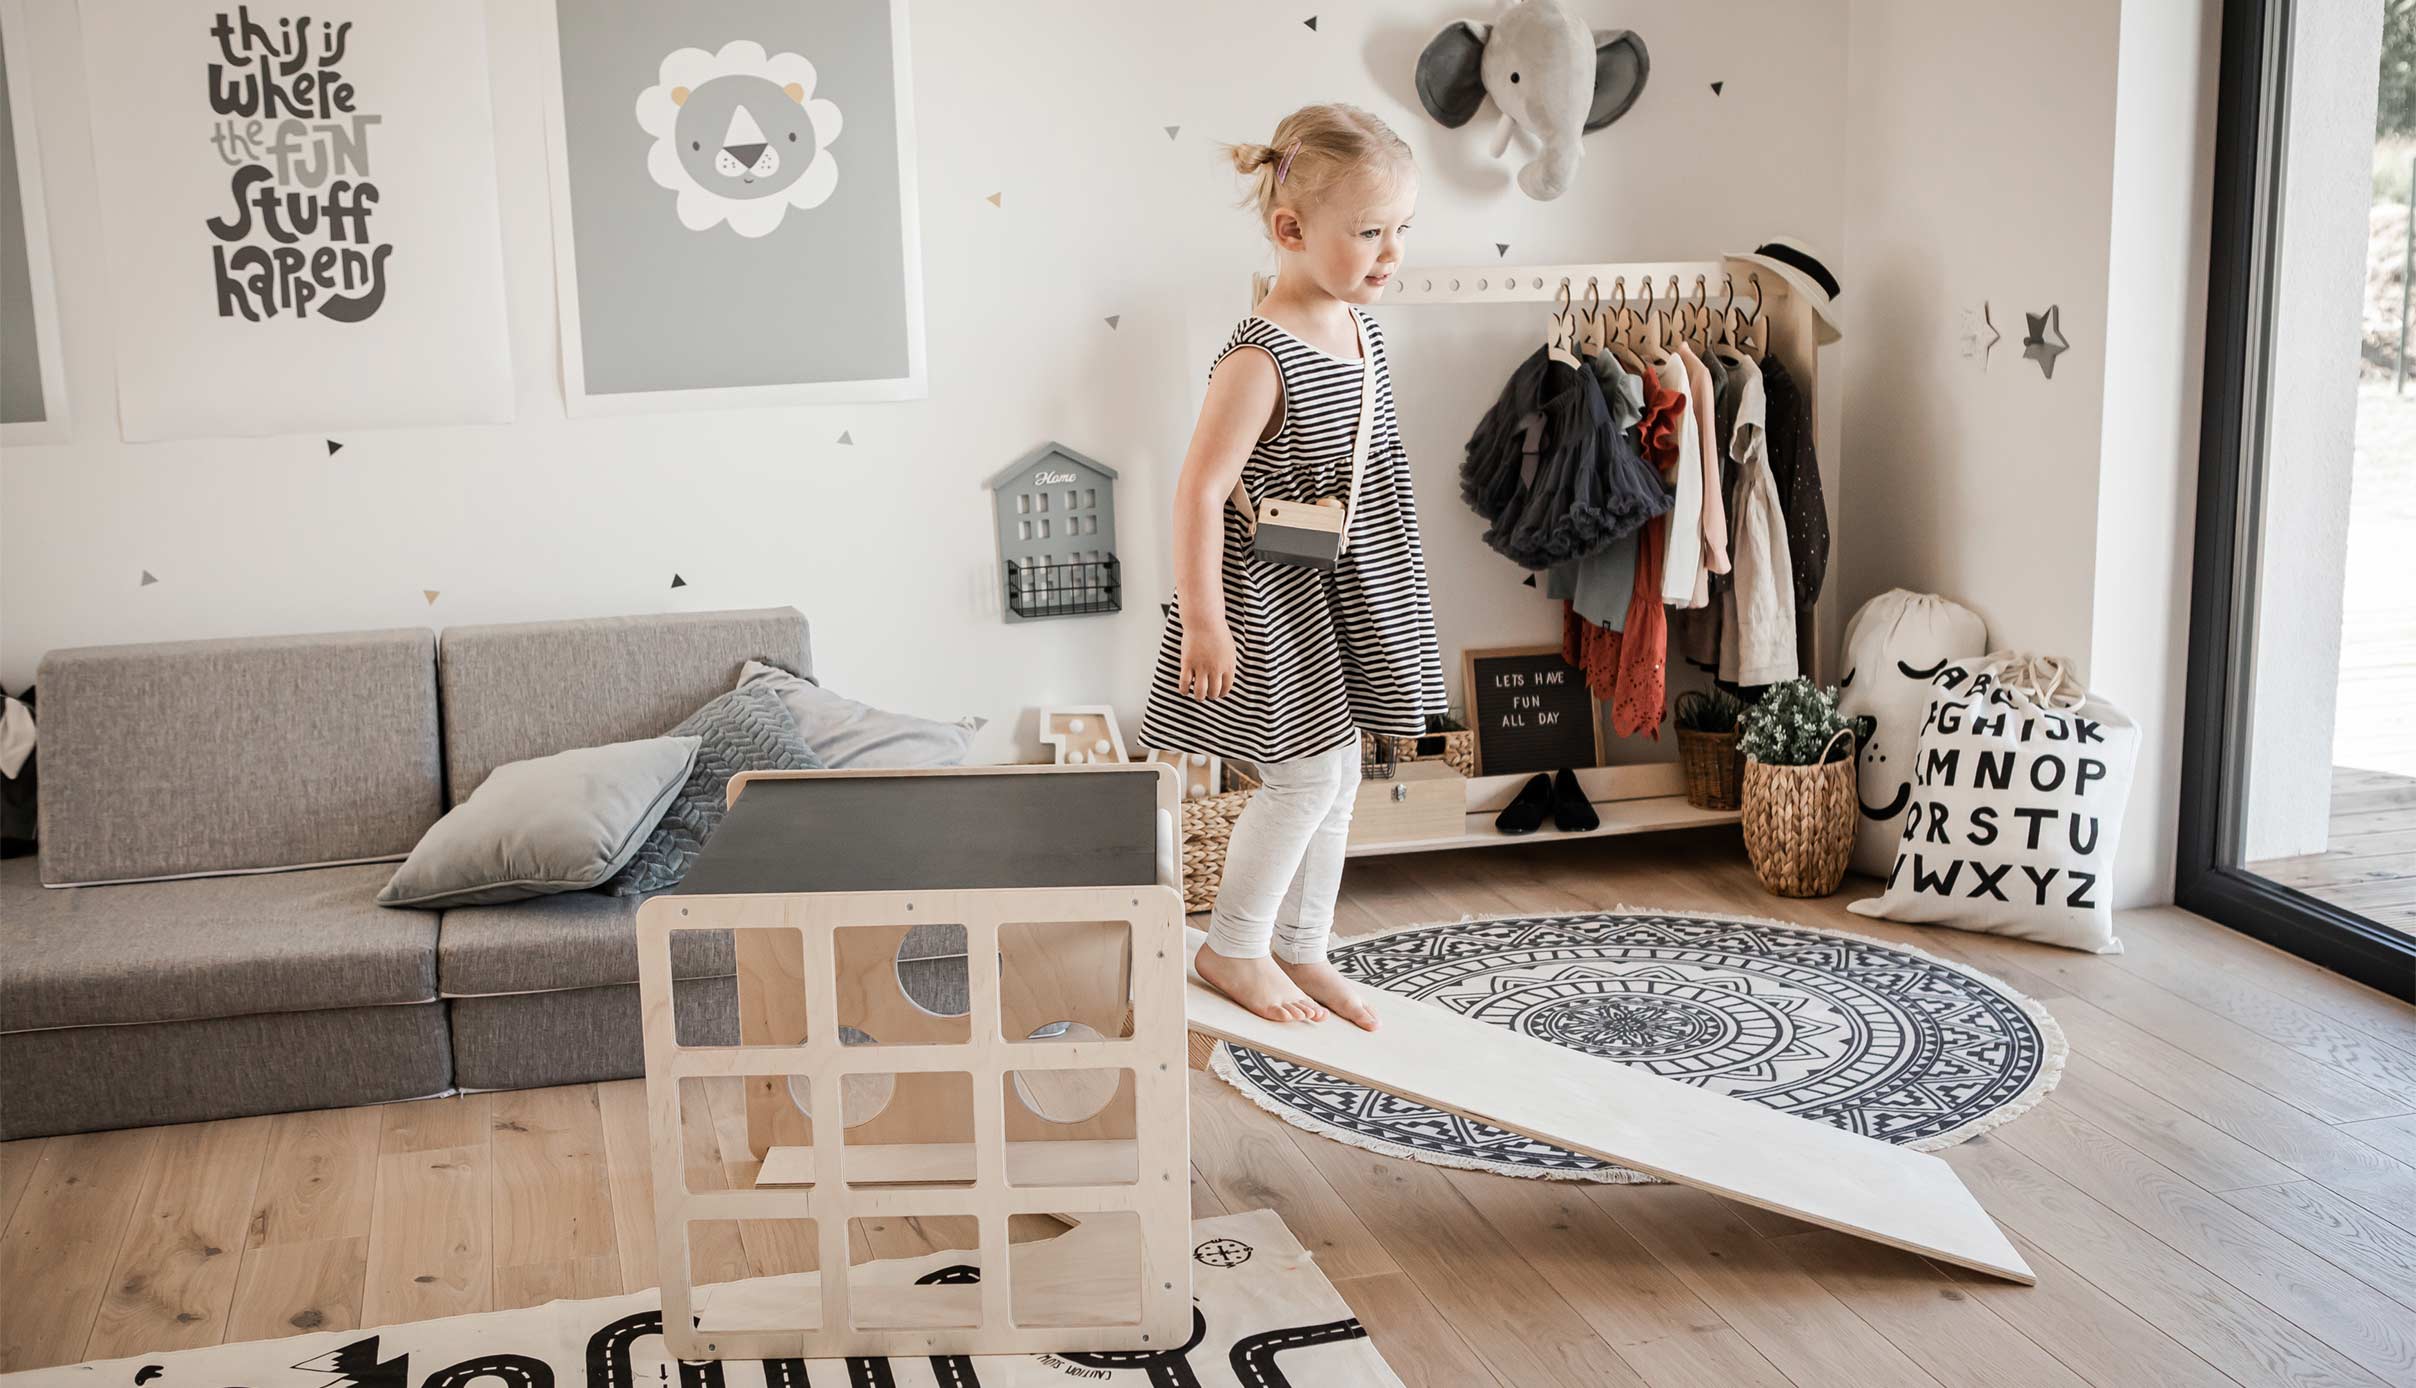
point(2051, 1034)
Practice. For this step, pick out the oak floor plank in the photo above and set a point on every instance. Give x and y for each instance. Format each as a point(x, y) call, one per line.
point(1205, 1202)
point(430, 1246)
point(428, 1125)
point(2378, 1252)
point(2278, 1272)
point(2249, 1341)
point(175, 1275)
point(2395, 1136)
point(17, 1162)
point(2201, 1152)
point(1506, 1312)
point(2329, 1093)
point(1954, 1337)
point(553, 1196)
point(574, 1279)
point(2289, 1135)
point(318, 1180)
point(298, 1287)
point(56, 1254)
point(1415, 1340)
point(628, 1146)
point(1812, 1337)
point(1639, 1307)
point(2099, 1337)
point(1251, 1163)
point(2368, 1009)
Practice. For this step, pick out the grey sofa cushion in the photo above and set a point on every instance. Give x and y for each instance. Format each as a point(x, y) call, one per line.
point(549, 824)
point(82, 1079)
point(528, 1040)
point(533, 688)
point(747, 729)
point(846, 733)
point(575, 940)
point(213, 947)
point(202, 757)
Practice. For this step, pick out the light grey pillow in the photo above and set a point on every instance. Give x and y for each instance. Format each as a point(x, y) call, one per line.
point(845, 733)
point(549, 824)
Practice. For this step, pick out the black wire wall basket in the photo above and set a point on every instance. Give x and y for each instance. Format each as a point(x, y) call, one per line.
point(1064, 590)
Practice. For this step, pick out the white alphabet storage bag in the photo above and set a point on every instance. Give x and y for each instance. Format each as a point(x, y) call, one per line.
point(2018, 790)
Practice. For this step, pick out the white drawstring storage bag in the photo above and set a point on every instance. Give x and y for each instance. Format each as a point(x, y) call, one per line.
point(1895, 645)
point(2019, 785)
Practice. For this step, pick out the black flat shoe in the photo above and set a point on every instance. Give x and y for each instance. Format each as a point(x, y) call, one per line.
point(1570, 809)
point(1526, 813)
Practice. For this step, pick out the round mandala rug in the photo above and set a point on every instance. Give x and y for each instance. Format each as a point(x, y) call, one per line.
point(1877, 1038)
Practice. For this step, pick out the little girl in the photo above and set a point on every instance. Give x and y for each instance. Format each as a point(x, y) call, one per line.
point(1279, 664)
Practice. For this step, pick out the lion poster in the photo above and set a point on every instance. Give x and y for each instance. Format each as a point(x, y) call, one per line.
point(734, 213)
point(298, 205)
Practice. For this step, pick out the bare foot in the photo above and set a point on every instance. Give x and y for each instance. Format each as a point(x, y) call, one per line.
point(1258, 985)
point(1326, 984)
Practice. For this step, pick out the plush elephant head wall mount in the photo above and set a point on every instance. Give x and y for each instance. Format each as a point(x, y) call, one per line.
point(1553, 79)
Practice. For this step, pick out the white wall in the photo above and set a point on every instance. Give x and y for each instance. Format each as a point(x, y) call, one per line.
point(2320, 282)
point(887, 545)
point(2057, 152)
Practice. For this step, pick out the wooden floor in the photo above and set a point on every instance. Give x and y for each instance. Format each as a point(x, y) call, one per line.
point(2221, 1191)
point(2370, 865)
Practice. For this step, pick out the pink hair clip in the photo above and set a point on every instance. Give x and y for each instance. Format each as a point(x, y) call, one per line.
point(1286, 166)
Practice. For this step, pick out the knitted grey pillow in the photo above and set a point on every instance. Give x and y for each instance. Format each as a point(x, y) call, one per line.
point(746, 729)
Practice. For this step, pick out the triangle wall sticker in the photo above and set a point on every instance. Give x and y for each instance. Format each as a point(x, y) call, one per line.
point(148, 580)
point(678, 582)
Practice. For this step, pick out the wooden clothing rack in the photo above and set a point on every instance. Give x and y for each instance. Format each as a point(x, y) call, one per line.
point(1627, 799)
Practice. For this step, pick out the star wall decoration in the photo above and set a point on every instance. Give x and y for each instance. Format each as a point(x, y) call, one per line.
point(1979, 335)
point(2045, 340)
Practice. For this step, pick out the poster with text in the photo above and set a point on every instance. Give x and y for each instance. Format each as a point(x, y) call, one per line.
point(298, 206)
point(734, 208)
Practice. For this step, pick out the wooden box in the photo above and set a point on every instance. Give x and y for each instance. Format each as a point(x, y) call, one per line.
point(1420, 800)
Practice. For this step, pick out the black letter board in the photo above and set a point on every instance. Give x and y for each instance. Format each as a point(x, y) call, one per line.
point(1531, 711)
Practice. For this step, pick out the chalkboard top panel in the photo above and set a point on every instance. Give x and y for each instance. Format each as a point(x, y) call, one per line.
point(941, 828)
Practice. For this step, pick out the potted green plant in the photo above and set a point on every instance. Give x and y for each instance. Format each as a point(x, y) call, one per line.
point(1707, 748)
point(1798, 788)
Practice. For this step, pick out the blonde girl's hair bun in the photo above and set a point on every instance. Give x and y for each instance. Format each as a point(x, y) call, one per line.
point(1315, 150)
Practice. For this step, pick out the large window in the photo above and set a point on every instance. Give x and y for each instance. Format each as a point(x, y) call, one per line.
point(2299, 773)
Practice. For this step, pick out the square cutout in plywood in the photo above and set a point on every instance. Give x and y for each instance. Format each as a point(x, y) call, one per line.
point(775, 952)
point(1093, 1275)
point(1063, 981)
point(1075, 1127)
point(1083, 734)
point(949, 1298)
point(738, 1292)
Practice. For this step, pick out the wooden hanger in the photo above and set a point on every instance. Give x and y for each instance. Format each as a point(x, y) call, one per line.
point(1561, 341)
point(1748, 331)
point(1593, 333)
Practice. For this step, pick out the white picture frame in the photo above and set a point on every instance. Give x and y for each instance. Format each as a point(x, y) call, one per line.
point(580, 392)
point(56, 425)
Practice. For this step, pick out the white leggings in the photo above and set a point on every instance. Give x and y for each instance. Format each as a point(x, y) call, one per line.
point(1283, 861)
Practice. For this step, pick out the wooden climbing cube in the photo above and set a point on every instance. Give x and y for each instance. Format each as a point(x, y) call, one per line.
point(1006, 1063)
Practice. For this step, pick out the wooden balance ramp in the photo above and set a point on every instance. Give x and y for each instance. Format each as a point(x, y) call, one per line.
point(1680, 1132)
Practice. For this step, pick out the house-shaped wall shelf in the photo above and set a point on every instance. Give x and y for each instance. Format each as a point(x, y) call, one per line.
point(1057, 535)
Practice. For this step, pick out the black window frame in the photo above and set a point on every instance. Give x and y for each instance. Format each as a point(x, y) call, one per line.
point(2253, 101)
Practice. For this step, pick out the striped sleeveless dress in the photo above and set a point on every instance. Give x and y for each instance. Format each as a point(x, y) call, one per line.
point(1321, 656)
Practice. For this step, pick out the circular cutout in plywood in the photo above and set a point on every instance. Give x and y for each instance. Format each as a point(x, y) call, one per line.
point(1066, 1096)
point(861, 1097)
point(931, 969)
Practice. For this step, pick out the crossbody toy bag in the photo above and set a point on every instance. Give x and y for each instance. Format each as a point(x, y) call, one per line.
point(1315, 534)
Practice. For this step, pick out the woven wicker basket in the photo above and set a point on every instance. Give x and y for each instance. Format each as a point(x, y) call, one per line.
point(1715, 769)
point(1799, 823)
point(1207, 823)
point(1454, 746)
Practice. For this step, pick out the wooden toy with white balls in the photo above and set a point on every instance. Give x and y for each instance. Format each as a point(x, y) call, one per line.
point(1202, 775)
point(1083, 735)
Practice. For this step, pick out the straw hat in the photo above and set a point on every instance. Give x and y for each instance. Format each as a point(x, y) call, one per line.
point(1804, 274)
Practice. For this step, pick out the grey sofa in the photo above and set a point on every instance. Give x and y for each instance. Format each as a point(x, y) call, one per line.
point(198, 938)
